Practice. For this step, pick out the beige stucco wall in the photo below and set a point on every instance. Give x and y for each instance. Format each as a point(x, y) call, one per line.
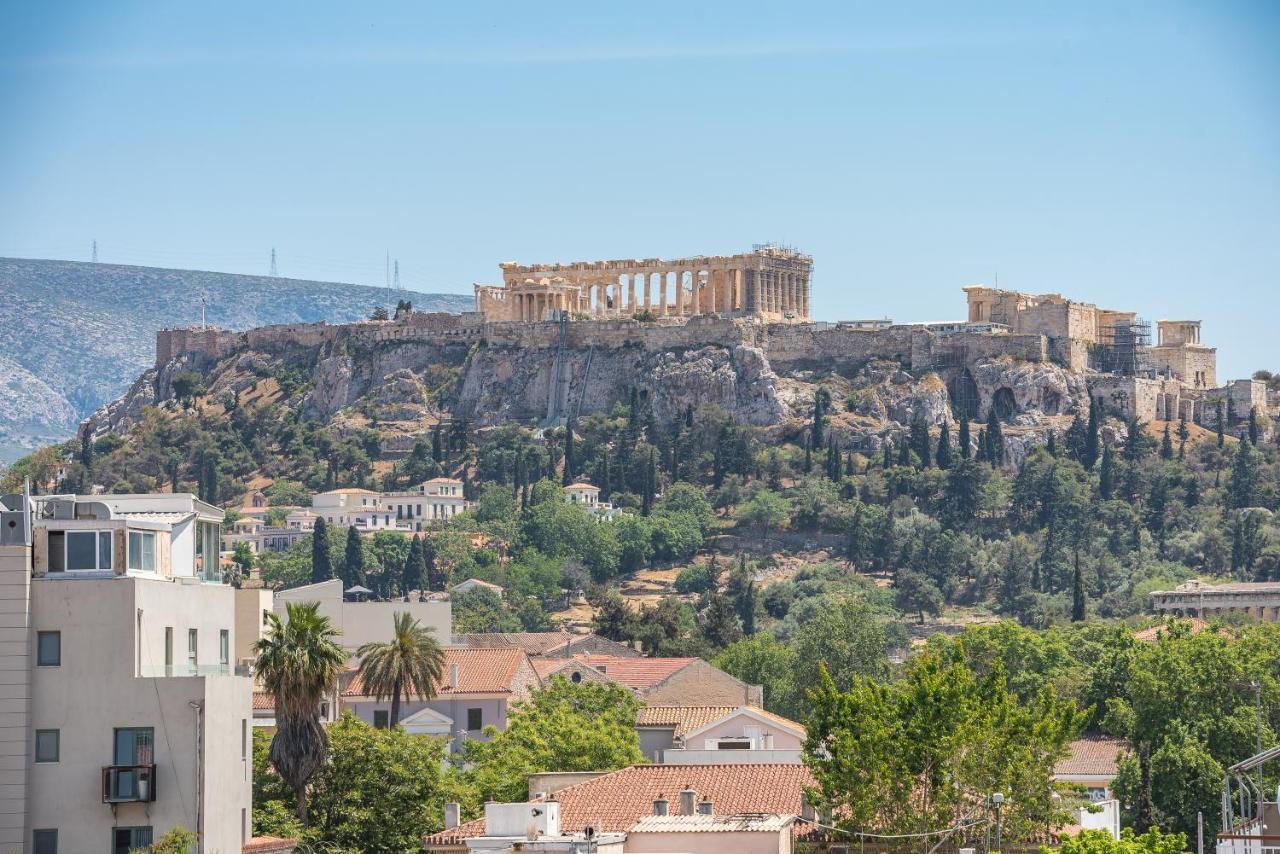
point(15, 692)
point(250, 603)
point(735, 727)
point(709, 843)
point(365, 622)
point(112, 629)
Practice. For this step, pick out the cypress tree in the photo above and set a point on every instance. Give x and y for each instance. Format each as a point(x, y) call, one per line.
point(353, 560)
point(1077, 594)
point(904, 451)
point(1183, 435)
point(995, 438)
point(321, 559)
point(414, 569)
point(984, 447)
point(437, 444)
point(650, 480)
point(888, 454)
point(920, 439)
point(1092, 437)
point(808, 454)
point(688, 417)
point(1166, 444)
point(944, 447)
point(1052, 445)
point(1222, 426)
point(86, 452)
point(437, 578)
point(965, 450)
point(1107, 474)
point(570, 463)
point(849, 468)
point(1253, 425)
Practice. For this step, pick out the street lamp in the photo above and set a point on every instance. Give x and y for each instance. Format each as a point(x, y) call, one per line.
point(997, 800)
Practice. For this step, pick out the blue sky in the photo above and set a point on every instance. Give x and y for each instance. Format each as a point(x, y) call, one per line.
point(1123, 153)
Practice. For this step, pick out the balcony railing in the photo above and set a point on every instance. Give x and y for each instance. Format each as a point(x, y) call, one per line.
point(125, 784)
point(156, 671)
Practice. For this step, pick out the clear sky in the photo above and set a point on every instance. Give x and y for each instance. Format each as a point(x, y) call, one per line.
point(1124, 153)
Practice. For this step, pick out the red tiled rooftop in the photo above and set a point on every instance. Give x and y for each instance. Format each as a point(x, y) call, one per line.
point(1194, 625)
point(534, 643)
point(263, 700)
point(480, 671)
point(1093, 755)
point(616, 801)
point(685, 719)
point(269, 845)
point(638, 674)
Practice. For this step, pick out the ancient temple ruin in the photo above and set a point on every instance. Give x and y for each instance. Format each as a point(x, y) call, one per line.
point(770, 282)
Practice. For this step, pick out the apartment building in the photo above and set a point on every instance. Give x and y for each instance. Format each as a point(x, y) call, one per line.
point(121, 714)
point(432, 502)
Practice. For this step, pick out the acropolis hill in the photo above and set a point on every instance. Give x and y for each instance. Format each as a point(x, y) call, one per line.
point(553, 342)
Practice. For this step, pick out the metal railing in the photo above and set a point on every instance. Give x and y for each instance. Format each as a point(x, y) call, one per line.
point(124, 784)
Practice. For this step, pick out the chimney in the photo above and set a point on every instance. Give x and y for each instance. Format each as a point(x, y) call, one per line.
point(639, 645)
point(660, 805)
point(766, 741)
point(687, 796)
point(704, 807)
point(807, 811)
point(451, 816)
point(453, 675)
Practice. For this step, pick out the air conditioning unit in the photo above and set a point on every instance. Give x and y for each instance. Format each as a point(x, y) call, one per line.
point(13, 528)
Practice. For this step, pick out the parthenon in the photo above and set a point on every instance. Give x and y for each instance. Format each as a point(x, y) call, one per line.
point(770, 282)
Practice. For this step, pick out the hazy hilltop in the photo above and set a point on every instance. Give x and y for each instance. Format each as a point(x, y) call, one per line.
point(73, 335)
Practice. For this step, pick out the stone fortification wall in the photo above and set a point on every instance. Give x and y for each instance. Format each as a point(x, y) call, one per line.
point(420, 327)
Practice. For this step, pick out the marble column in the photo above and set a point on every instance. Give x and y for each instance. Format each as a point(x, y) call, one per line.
point(662, 293)
point(631, 303)
point(697, 292)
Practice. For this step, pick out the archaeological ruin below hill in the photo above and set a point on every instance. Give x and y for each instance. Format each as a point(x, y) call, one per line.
point(558, 340)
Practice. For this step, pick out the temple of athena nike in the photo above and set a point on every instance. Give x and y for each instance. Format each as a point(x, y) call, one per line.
point(770, 282)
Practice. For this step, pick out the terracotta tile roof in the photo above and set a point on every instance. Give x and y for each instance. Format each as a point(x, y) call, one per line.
point(1094, 755)
point(544, 667)
point(638, 674)
point(580, 486)
point(686, 719)
point(746, 823)
point(269, 845)
point(263, 700)
point(480, 671)
point(534, 643)
point(1150, 635)
point(349, 490)
point(616, 801)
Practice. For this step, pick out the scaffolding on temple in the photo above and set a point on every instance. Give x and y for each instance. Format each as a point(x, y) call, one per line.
point(1124, 348)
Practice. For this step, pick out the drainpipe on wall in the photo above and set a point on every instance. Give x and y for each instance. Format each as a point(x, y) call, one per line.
point(199, 710)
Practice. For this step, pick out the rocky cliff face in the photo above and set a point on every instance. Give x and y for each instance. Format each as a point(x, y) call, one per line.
point(402, 387)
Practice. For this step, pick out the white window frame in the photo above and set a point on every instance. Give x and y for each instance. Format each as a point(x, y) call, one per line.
point(141, 550)
point(102, 563)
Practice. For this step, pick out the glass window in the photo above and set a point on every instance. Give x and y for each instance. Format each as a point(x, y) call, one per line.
point(142, 551)
point(48, 649)
point(224, 647)
point(82, 550)
point(134, 746)
point(193, 647)
point(44, 842)
point(125, 839)
point(57, 551)
point(47, 745)
point(475, 719)
point(104, 550)
point(381, 719)
point(168, 646)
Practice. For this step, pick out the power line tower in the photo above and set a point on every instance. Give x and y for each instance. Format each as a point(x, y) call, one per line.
point(395, 281)
point(274, 271)
point(95, 252)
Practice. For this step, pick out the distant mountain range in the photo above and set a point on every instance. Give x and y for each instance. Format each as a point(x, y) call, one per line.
point(74, 335)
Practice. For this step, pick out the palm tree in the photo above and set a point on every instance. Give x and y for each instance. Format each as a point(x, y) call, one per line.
point(297, 663)
point(411, 664)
